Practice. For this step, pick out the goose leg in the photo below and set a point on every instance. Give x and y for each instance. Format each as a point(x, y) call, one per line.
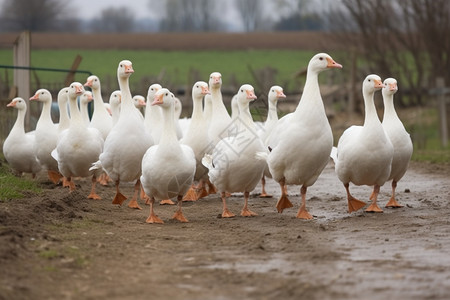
point(245, 211)
point(119, 197)
point(302, 212)
point(179, 214)
point(263, 189)
point(133, 202)
point(283, 202)
point(374, 207)
point(70, 184)
point(392, 202)
point(93, 194)
point(191, 194)
point(152, 218)
point(226, 213)
point(353, 203)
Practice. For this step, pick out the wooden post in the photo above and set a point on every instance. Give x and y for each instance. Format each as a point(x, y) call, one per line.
point(22, 77)
point(71, 76)
point(440, 85)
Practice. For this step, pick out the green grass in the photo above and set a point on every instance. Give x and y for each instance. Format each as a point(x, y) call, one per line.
point(176, 65)
point(13, 187)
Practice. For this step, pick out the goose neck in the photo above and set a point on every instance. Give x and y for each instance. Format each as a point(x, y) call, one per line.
point(19, 124)
point(75, 114)
point(272, 114)
point(389, 109)
point(169, 135)
point(370, 114)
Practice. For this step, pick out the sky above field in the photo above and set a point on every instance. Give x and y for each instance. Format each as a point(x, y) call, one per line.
point(88, 9)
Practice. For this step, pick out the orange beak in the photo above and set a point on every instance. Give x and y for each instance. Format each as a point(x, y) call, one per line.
point(90, 97)
point(393, 87)
point(79, 90)
point(142, 103)
point(129, 69)
point(158, 99)
point(205, 91)
point(216, 79)
point(88, 83)
point(35, 97)
point(11, 104)
point(251, 95)
point(280, 94)
point(378, 83)
point(333, 64)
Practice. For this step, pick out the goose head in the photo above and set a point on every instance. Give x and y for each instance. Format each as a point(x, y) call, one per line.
point(321, 62)
point(390, 86)
point(275, 93)
point(199, 89)
point(115, 98)
point(215, 80)
point(86, 97)
point(152, 89)
point(62, 95)
point(93, 82)
point(17, 103)
point(42, 95)
point(372, 83)
point(246, 94)
point(164, 98)
point(139, 101)
point(76, 89)
point(125, 69)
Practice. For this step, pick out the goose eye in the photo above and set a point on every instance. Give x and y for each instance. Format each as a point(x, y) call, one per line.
point(321, 58)
point(42, 93)
point(167, 94)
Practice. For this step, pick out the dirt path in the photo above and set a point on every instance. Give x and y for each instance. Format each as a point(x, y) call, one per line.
point(63, 246)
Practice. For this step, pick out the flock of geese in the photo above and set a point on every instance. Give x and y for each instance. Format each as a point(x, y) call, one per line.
point(215, 152)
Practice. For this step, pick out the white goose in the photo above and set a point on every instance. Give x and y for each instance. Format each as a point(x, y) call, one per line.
point(364, 153)
point(301, 142)
point(167, 168)
point(220, 123)
point(275, 93)
point(197, 138)
point(153, 115)
point(139, 103)
point(114, 101)
point(233, 165)
point(18, 146)
point(46, 135)
point(178, 107)
point(127, 141)
point(78, 146)
point(399, 137)
point(85, 99)
point(101, 119)
point(64, 119)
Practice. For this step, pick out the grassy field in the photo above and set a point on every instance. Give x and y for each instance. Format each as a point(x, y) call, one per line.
point(176, 65)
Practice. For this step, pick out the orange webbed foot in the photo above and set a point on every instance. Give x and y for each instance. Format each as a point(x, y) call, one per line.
point(54, 176)
point(227, 214)
point(248, 213)
point(166, 202)
point(154, 219)
point(94, 196)
point(373, 208)
point(119, 198)
point(303, 214)
point(283, 203)
point(133, 204)
point(180, 217)
point(265, 195)
point(355, 204)
point(392, 203)
point(190, 195)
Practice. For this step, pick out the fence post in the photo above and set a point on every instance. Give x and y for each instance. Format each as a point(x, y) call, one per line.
point(22, 77)
point(442, 107)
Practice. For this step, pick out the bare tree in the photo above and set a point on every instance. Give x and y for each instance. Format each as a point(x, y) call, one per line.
point(114, 20)
point(36, 15)
point(251, 13)
point(190, 15)
point(406, 39)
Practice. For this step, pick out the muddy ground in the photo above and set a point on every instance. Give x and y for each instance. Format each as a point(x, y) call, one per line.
point(62, 246)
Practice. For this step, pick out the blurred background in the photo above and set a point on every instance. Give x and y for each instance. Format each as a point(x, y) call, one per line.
point(261, 42)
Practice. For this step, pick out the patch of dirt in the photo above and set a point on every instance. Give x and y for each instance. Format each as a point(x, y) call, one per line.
point(63, 246)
